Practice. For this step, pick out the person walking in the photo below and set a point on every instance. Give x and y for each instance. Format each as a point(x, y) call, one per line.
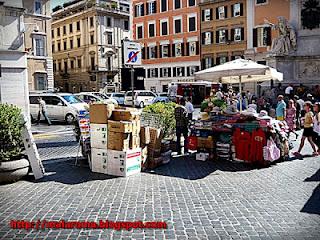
point(43, 111)
point(182, 121)
point(316, 125)
point(291, 114)
point(308, 130)
point(281, 109)
point(190, 109)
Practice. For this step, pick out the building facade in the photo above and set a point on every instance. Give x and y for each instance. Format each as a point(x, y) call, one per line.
point(223, 31)
point(168, 31)
point(263, 17)
point(37, 39)
point(13, 58)
point(86, 44)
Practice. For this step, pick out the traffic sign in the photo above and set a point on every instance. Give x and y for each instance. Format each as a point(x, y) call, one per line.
point(132, 53)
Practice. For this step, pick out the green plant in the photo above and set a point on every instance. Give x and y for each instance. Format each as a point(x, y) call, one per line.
point(165, 116)
point(114, 5)
point(11, 144)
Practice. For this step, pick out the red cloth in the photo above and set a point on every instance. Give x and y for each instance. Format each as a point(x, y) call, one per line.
point(242, 142)
point(258, 141)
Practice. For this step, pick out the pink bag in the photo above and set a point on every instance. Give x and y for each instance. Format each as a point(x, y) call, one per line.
point(271, 152)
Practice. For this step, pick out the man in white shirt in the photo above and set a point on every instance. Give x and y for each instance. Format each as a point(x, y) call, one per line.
point(189, 108)
point(219, 94)
point(289, 90)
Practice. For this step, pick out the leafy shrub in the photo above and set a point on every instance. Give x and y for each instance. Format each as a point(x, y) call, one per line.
point(11, 144)
point(165, 116)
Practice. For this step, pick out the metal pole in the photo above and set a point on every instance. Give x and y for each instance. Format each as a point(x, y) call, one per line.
point(240, 90)
point(132, 84)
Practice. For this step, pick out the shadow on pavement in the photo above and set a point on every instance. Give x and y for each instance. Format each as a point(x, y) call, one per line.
point(56, 144)
point(313, 204)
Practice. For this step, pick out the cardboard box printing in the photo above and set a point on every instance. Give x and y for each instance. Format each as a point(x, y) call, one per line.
point(99, 135)
point(99, 160)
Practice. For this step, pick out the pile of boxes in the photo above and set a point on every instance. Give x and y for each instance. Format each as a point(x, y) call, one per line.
point(115, 140)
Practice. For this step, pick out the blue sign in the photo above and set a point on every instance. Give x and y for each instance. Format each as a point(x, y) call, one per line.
point(133, 57)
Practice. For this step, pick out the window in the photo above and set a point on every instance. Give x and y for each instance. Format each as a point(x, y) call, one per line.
point(37, 7)
point(91, 22)
point(207, 38)
point(71, 43)
point(70, 28)
point(165, 72)
point(153, 72)
point(222, 60)
point(208, 63)
point(78, 41)
point(152, 52)
point(164, 28)
point(39, 45)
point(92, 61)
point(58, 32)
point(79, 62)
point(78, 26)
point(177, 4)
point(262, 37)
point(237, 34)
point(261, 1)
point(164, 5)
point(221, 36)
point(126, 25)
point(165, 51)
point(109, 63)
point(139, 32)
point(180, 71)
point(139, 10)
point(59, 66)
point(59, 46)
point(178, 49)
point(52, 47)
point(91, 39)
point(41, 81)
point(52, 33)
point(71, 64)
point(64, 30)
point(109, 38)
point(192, 24)
point(192, 48)
point(221, 12)
point(151, 30)
point(177, 25)
point(54, 65)
point(192, 70)
point(207, 15)
point(152, 7)
point(109, 22)
point(191, 3)
point(237, 10)
point(65, 45)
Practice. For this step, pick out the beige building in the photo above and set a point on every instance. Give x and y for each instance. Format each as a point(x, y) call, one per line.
point(37, 40)
point(86, 44)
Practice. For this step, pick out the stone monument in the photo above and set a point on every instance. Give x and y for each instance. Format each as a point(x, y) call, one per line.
point(296, 52)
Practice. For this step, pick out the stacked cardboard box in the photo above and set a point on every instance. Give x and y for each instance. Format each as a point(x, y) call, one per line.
point(115, 140)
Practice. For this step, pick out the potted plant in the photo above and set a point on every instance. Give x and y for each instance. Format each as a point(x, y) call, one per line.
point(13, 164)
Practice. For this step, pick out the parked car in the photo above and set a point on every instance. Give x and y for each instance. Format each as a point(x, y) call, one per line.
point(162, 97)
point(60, 106)
point(141, 98)
point(90, 97)
point(119, 97)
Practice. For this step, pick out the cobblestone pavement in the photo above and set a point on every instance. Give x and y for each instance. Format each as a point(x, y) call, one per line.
point(198, 200)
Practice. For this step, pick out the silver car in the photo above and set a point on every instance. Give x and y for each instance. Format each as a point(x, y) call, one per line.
point(60, 106)
point(91, 97)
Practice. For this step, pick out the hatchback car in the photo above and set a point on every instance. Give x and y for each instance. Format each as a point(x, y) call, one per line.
point(162, 97)
point(119, 97)
point(91, 97)
point(141, 98)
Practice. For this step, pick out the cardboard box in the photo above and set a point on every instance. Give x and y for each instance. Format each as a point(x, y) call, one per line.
point(120, 126)
point(100, 113)
point(99, 135)
point(124, 163)
point(202, 156)
point(120, 114)
point(136, 127)
point(134, 141)
point(99, 160)
point(207, 143)
point(118, 141)
point(145, 135)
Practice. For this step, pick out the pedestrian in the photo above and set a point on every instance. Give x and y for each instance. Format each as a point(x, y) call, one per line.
point(281, 109)
point(291, 115)
point(219, 94)
point(289, 91)
point(43, 111)
point(190, 109)
point(308, 130)
point(298, 111)
point(182, 122)
point(316, 125)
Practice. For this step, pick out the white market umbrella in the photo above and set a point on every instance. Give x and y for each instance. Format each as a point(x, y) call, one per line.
point(239, 71)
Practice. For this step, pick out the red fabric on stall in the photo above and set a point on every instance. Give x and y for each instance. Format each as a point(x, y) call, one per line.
point(242, 142)
point(258, 141)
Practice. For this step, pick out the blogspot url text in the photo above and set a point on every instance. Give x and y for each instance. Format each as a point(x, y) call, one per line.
point(102, 224)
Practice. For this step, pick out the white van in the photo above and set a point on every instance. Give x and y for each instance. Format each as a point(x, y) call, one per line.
point(60, 106)
point(141, 98)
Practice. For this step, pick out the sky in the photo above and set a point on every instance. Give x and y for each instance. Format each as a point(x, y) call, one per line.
point(57, 2)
